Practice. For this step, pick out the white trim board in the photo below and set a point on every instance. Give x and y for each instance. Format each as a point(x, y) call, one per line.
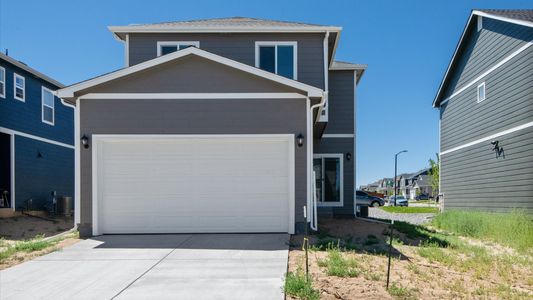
point(488, 138)
point(490, 70)
point(505, 19)
point(96, 152)
point(34, 137)
point(69, 91)
point(192, 96)
point(221, 29)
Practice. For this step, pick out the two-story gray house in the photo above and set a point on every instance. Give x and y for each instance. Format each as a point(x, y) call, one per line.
point(486, 114)
point(220, 125)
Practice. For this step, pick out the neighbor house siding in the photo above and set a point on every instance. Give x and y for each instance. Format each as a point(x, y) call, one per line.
point(239, 47)
point(508, 103)
point(475, 178)
point(198, 116)
point(36, 177)
point(483, 49)
point(27, 116)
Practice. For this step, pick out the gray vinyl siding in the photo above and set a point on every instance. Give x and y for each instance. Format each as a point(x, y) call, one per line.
point(239, 47)
point(486, 48)
point(341, 121)
point(190, 75)
point(197, 116)
point(474, 178)
point(341, 102)
point(508, 103)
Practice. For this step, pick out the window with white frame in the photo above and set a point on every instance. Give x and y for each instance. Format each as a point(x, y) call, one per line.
point(164, 48)
point(277, 57)
point(481, 94)
point(329, 177)
point(47, 106)
point(2, 82)
point(19, 87)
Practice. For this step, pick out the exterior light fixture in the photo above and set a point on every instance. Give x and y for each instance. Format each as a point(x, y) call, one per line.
point(348, 156)
point(300, 140)
point(85, 141)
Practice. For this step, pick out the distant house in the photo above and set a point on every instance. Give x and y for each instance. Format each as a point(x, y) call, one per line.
point(486, 114)
point(37, 138)
point(385, 186)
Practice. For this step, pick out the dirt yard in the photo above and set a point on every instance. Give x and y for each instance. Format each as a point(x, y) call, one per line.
point(24, 238)
point(425, 265)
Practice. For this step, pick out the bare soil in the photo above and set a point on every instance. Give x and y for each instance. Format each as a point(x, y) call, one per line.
point(26, 227)
point(419, 278)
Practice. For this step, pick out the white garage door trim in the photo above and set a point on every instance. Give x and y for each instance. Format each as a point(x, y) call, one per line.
point(98, 139)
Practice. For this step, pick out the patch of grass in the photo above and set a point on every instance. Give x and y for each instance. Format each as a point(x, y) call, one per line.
point(433, 253)
point(401, 292)
point(297, 285)
point(25, 246)
point(410, 210)
point(337, 265)
point(511, 229)
point(371, 240)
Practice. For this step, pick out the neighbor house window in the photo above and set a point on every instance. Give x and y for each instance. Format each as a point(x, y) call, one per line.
point(481, 92)
point(2, 82)
point(47, 104)
point(277, 57)
point(169, 47)
point(19, 87)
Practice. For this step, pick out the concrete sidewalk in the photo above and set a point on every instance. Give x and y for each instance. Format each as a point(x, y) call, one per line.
point(185, 266)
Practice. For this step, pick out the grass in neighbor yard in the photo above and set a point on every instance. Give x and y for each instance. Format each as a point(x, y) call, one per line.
point(513, 229)
point(348, 261)
point(297, 285)
point(410, 210)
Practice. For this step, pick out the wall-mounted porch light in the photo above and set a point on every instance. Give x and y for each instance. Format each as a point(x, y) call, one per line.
point(85, 141)
point(300, 140)
point(348, 156)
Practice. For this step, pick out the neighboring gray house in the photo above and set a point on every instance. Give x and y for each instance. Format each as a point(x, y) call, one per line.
point(486, 114)
point(216, 126)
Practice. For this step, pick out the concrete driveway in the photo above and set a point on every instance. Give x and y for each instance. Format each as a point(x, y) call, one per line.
point(197, 266)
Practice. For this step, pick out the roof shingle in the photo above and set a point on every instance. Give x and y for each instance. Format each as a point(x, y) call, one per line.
point(517, 14)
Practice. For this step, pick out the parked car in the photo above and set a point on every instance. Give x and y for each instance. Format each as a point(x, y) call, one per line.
point(422, 197)
point(400, 201)
point(363, 198)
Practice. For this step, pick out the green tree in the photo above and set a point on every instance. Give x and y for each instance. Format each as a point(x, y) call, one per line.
point(434, 174)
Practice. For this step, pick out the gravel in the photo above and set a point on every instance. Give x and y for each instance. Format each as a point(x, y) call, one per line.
point(374, 212)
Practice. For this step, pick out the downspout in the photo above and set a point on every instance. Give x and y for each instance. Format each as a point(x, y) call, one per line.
point(320, 106)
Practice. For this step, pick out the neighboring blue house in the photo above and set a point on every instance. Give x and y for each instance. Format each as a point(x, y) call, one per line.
point(36, 138)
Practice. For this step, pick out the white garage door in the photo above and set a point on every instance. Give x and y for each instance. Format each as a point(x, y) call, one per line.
point(179, 184)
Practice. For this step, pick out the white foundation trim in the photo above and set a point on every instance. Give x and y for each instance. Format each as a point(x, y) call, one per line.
point(34, 137)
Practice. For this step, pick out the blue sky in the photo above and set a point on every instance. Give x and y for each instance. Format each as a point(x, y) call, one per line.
point(407, 45)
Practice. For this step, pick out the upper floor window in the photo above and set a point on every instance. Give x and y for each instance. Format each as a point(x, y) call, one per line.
point(277, 57)
point(169, 47)
point(481, 92)
point(19, 87)
point(47, 106)
point(2, 82)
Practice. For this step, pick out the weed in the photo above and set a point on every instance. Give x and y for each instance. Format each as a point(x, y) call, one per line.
point(297, 285)
point(401, 292)
point(433, 253)
point(336, 265)
point(511, 229)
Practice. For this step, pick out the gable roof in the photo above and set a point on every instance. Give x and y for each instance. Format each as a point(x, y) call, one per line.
point(516, 16)
point(31, 70)
point(69, 91)
point(232, 24)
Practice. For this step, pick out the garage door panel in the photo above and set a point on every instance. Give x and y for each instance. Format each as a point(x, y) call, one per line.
point(169, 185)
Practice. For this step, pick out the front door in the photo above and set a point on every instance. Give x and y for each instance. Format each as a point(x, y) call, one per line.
point(329, 179)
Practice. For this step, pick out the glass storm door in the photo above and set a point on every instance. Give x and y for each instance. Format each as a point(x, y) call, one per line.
point(328, 170)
